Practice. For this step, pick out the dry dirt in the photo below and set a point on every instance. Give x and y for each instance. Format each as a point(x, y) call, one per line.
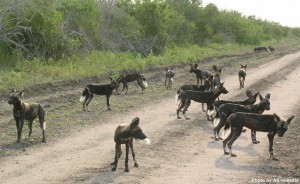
point(181, 151)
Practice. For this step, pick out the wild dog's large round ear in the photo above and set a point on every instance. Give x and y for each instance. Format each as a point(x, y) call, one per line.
point(290, 119)
point(13, 90)
point(268, 96)
point(21, 93)
point(260, 97)
point(276, 117)
point(215, 68)
point(111, 79)
point(246, 66)
point(134, 123)
point(195, 65)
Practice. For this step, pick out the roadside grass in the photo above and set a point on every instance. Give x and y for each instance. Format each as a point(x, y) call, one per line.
point(24, 73)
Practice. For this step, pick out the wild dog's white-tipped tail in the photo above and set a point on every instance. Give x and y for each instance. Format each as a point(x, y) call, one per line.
point(216, 121)
point(147, 141)
point(225, 132)
point(82, 98)
point(145, 83)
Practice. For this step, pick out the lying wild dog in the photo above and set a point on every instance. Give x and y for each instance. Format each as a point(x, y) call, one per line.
point(91, 89)
point(207, 97)
point(205, 87)
point(124, 135)
point(260, 49)
point(199, 73)
point(216, 77)
point(169, 78)
point(26, 111)
point(272, 124)
point(242, 75)
point(226, 110)
point(271, 49)
point(249, 101)
point(124, 79)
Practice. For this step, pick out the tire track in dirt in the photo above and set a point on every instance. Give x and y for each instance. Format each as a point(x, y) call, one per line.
point(176, 144)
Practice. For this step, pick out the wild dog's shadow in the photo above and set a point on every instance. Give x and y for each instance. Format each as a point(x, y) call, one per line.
point(228, 163)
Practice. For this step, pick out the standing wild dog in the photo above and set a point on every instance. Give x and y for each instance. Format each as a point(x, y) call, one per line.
point(26, 111)
point(169, 78)
point(216, 77)
point(124, 79)
point(242, 75)
point(249, 101)
point(272, 124)
point(199, 73)
point(205, 87)
point(226, 110)
point(124, 135)
point(91, 89)
point(207, 97)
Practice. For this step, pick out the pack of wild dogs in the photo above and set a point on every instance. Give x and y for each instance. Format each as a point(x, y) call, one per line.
point(233, 115)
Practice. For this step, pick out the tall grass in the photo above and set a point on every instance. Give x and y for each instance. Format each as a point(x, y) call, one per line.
point(19, 73)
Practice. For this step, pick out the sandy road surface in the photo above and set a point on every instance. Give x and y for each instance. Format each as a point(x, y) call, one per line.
point(181, 151)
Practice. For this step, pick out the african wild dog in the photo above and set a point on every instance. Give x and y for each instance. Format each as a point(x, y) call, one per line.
point(207, 97)
point(212, 109)
point(226, 110)
point(169, 78)
point(272, 124)
point(124, 134)
point(124, 79)
point(205, 87)
point(26, 111)
point(199, 73)
point(91, 89)
point(216, 77)
point(271, 49)
point(242, 75)
point(260, 49)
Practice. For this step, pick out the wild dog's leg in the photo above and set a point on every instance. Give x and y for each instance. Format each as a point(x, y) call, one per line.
point(221, 123)
point(107, 102)
point(186, 106)
point(88, 102)
point(226, 141)
point(117, 155)
point(18, 123)
point(126, 159)
point(126, 86)
point(20, 130)
point(236, 134)
point(133, 154)
point(42, 122)
point(253, 137)
point(140, 83)
point(271, 138)
point(30, 128)
point(179, 108)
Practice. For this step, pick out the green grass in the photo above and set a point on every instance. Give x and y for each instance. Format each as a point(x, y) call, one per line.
point(23, 73)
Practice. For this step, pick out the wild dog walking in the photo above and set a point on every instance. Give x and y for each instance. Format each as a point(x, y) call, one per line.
point(124, 79)
point(242, 75)
point(212, 109)
point(125, 135)
point(272, 124)
point(226, 110)
point(169, 78)
point(200, 75)
point(91, 89)
point(26, 111)
point(260, 49)
point(207, 97)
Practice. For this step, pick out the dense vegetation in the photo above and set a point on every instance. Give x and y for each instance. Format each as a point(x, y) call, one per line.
point(46, 40)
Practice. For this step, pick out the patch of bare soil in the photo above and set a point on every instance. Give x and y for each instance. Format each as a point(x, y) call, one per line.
point(181, 151)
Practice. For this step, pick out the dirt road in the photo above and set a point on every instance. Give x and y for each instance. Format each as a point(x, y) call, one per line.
point(181, 151)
